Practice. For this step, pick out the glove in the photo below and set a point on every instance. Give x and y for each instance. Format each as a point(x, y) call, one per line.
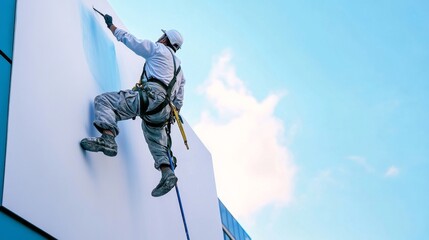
point(109, 20)
point(172, 118)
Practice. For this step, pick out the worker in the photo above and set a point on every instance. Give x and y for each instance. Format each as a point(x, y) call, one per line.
point(162, 81)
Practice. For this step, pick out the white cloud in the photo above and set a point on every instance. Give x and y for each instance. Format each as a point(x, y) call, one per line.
point(392, 171)
point(253, 168)
point(361, 161)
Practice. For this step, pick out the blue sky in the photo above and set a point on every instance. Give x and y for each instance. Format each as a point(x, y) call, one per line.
point(339, 87)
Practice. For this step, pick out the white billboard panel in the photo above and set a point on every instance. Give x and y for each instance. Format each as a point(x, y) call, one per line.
point(63, 57)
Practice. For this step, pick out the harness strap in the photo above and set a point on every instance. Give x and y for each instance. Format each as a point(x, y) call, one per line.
point(154, 125)
point(144, 101)
point(143, 73)
point(156, 80)
point(168, 88)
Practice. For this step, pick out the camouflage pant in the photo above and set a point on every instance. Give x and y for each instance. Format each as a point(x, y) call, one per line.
point(117, 106)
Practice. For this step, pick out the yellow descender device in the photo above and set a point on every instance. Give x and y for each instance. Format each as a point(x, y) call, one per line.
point(179, 123)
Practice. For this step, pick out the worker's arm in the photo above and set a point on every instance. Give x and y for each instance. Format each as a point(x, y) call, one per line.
point(144, 48)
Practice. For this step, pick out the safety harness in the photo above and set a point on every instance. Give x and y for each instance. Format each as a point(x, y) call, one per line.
point(144, 101)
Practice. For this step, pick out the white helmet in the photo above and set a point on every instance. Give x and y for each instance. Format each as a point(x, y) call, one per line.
point(175, 38)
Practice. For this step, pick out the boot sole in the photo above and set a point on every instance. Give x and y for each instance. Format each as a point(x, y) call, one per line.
point(168, 185)
point(92, 147)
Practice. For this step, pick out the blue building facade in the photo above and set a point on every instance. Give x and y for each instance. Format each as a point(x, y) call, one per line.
point(232, 230)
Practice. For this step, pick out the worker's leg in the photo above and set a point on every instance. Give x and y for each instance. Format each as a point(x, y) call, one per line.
point(113, 107)
point(110, 108)
point(157, 140)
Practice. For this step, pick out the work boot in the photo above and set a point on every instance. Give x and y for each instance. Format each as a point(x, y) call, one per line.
point(168, 181)
point(106, 144)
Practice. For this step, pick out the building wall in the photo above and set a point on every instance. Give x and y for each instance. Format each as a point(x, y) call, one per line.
point(63, 56)
point(11, 227)
point(232, 229)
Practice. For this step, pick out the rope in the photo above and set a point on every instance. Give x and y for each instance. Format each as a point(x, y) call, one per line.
point(178, 198)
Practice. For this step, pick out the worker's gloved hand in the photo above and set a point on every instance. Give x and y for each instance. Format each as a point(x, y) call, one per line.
point(109, 20)
point(172, 118)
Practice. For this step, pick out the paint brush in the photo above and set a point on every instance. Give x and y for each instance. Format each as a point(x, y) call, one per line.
point(97, 11)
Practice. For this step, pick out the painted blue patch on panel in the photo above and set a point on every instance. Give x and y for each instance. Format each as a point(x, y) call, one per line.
point(7, 19)
point(4, 105)
point(100, 51)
